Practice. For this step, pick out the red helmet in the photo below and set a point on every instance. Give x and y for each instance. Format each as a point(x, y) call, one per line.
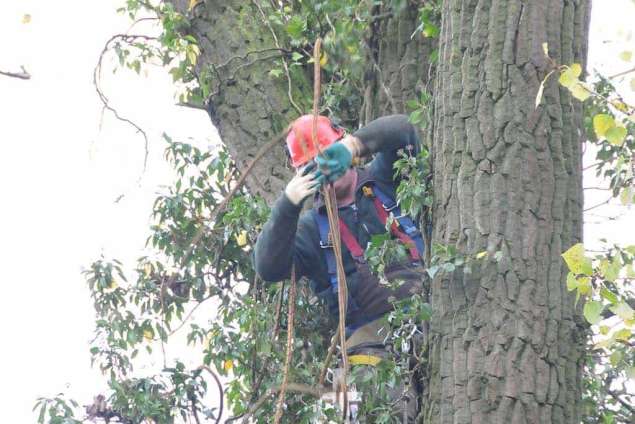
point(300, 138)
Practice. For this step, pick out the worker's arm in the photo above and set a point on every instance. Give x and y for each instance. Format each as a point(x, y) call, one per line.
point(383, 137)
point(285, 238)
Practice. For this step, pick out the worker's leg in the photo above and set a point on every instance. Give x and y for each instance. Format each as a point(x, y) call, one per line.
point(383, 392)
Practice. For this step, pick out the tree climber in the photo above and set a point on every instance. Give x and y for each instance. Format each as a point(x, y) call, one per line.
point(365, 199)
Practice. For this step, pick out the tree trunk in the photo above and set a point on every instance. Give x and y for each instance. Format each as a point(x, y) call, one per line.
point(507, 341)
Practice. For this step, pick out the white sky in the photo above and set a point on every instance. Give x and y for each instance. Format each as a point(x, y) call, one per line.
point(60, 176)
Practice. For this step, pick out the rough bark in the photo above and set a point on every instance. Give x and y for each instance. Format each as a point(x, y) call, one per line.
point(507, 343)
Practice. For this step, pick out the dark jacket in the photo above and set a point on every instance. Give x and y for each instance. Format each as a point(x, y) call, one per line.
point(289, 236)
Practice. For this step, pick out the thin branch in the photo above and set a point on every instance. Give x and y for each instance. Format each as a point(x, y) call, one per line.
point(104, 100)
point(24, 75)
point(622, 73)
point(221, 394)
point(597, 188)
point(291, 387)
point(187, 317)
point(249, 53)
point(329, 357)
point(598, 205)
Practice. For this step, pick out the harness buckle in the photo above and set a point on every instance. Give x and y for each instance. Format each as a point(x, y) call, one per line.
point(326, 245)
point(368, 191)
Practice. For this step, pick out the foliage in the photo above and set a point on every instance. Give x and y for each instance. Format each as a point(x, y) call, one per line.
point(140, 312)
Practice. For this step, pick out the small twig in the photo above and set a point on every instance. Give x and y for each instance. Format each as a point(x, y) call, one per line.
point(187, 317)
point(622, 73)
point(221, 395)
point(287, 362)
point(24, 75)
point(104, 100)
point(291, 387)
point(597, 188)
point(329, 357)
point(249, 53)
point(598, 205)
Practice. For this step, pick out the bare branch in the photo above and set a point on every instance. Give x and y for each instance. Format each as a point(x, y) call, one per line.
point(622, 73)
point(97, 82)
point(20, 75)
point(599, 204)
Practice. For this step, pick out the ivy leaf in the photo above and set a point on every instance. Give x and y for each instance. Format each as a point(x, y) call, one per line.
point(602, 123)
point(576, 261)
point(572, 283)
point(623, 334)
point(593, 311)
point(295, 27)
point(616, 135)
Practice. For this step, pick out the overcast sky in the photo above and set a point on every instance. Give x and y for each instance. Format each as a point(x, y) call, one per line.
point(61, 173)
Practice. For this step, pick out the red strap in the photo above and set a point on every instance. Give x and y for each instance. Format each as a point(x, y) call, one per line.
point(394, 228)
point(350, 241)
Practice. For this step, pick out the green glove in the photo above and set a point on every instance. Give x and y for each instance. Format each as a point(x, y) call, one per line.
point(334, 161)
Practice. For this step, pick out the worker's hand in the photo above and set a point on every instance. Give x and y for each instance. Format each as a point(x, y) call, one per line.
point(334, 161)
point(304, 184)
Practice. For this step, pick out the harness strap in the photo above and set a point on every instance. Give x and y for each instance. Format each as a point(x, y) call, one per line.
point(386, 205)
point(407, 241)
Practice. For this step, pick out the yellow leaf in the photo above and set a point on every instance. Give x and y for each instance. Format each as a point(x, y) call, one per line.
point(584, 286)
point(604, 330)
point(545, 48)
point(623, 334)
point(576, 69)
point(576, 261)
point(619, 105)
point(626, 55)
point(147, 270)
point(616, 135)
point(626, 196)
point(602, 123)
point(113, 284)
point(481, 255)
point(324, 59)
point(579, 91)
point(241, 239)
point(193, 4)
point(26, 18)
point(148, 334)
point(568, 78)
point(228, 365)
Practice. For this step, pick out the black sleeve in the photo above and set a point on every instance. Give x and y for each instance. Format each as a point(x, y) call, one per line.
point(286, 239)
point(385, 137)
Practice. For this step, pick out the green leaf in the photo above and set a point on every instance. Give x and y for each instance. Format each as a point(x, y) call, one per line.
point(602, 123)
point(572, 283)
point(608, 295)
point(576, 261)
point(616, 135)
point(275, 73)
point(296, 26)
point(615, 358)
point(430, 30)
point(593, 311)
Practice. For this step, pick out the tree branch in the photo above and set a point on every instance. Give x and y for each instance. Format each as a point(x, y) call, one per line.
point(104, 100)
point(20, 75)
